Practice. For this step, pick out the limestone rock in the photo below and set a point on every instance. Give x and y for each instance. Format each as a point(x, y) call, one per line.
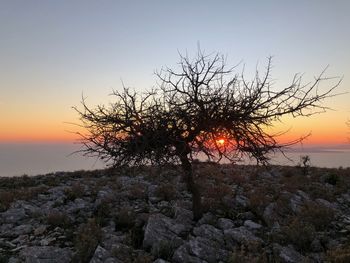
point(240, 235)
point(252, 225)
point(287, 254)
point(159, 260)
point(46, 254)
point(13, 215)
point(224, 223)
point(210, 232)
point(160, 229)
point(182, 255)
point(206, 249)
point(270, 214)
point(100, 255)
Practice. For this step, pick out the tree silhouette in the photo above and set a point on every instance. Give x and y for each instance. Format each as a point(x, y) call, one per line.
point(201, 108)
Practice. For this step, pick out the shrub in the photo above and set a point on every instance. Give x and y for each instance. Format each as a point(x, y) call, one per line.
point(299, 233)
point(305, 164)
point(125, 219)
point(87, 239)
point(163, 250)
point(241, 255)
point(102, 212)
point(259, 199)
point(166, 192)
point(143, 258)
point(75, 191)
point(138, 191)
point(332, 179)
point(6, 198)
point(318, 215)
point(58, 219)
point(122, 252)
point(218, 197)
point(339, 255)
point(136, 235)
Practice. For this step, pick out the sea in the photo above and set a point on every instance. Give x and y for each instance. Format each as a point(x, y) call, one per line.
point(17, 159)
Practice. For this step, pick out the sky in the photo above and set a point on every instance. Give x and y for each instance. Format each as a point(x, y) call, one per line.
point(54, 52)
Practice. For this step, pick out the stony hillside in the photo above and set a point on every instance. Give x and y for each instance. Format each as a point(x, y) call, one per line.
point(280, 214)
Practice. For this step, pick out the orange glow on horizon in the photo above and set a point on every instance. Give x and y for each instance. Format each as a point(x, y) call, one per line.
point(32, 136)
point(336, 132)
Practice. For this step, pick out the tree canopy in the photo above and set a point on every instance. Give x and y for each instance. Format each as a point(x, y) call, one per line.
point(204, 107)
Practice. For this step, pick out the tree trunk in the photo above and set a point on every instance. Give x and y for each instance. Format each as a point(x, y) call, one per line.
point(192, 188)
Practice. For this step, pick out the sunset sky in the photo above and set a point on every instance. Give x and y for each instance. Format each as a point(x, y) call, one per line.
point(52, 52)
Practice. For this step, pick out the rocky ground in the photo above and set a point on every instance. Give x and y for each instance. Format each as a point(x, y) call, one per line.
point(252, 214)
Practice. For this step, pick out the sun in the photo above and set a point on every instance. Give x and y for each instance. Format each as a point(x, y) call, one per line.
point(221, 142)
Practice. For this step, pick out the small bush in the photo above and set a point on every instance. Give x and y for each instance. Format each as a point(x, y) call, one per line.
point(218, 198)
point(305, 163)
point(125, 219)
point(241, 255)
point(4, 259)
point(138, 191)
point(332, 179)
point(300, 234)
point(58, 219)
point(75, 191)
point(288, 171)
point(259, 199)
point(136, 235)
point(339, 255)
point(87, 239)
point(122, 252)
point(6, 198)
point(318, 215)
point(143, 258)
point(166, 192)
point(163, 250)
point(102, 212)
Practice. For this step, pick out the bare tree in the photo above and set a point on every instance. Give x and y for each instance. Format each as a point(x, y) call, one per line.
point(203, 108)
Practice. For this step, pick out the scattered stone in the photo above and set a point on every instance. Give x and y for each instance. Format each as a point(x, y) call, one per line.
point(205, 249)
point(46, 254)
point(316, 245)
point(242, 201)
point(296, 203)
point(13, 215)
point(208, 218)
point(40, 230)
point(47, 241)
point(100, 255)
point(161, 229)
point(240, 235)
point(182, 255)
point(287, 254)
point(159, 260)
point(252, 225)
point(210, 232)
point(270, 214)
point(224, 223)
point(166, 228)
